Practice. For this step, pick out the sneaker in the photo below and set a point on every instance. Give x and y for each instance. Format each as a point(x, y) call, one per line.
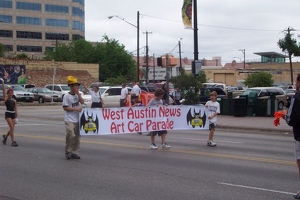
point(14, 144)
point(153, 146)
point(75, 156)
point(296, 196)
point(4, 139)
point(165, 146)
point(68, 155)
point(140, 133)
point(211, 144)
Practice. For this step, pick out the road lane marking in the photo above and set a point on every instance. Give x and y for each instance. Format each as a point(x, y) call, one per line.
point(256, 188)
point(222, 141)
point(190, 152)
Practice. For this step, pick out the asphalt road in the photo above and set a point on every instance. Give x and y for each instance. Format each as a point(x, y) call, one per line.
point(244, 165)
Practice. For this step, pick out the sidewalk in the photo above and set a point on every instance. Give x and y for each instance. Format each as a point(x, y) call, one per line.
point(260, 124)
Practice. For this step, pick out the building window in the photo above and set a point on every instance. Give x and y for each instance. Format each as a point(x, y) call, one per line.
point(9, 47)
point(56, 8)
point(29, 6)
point(5, 4)
point(77, 25)
point(57, 36)
point(29, 35)
point(77, 12)
point(6, 33)
point(81, 2)
point(6, 18)
point(50, 48)
point(29, 20)
point(23, 48)
point(57, 22)
point(76, 37)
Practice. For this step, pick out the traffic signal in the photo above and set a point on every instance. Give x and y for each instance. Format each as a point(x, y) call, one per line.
point(159, 61)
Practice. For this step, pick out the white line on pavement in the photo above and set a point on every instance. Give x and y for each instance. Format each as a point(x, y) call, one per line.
point(222, 141)
point(255, 188)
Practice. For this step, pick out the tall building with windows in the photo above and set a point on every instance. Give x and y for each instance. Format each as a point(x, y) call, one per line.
point(32, 26)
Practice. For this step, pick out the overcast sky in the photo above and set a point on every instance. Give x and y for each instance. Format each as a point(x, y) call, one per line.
point(224, 26)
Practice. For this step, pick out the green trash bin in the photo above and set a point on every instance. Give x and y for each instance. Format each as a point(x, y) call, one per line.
point(240, 106)
point(261, 107)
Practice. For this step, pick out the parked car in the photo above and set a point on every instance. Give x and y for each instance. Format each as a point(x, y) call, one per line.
point(27, 86)
point(62, 89)
point(220, 94)
point(220, 85)
point(58, 88)
point(111, 95)
point(44, 95)
point(20, 94)
point(289, 95)
point(266, 92)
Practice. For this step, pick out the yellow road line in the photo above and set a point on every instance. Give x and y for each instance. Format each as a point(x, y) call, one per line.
point(202, 153)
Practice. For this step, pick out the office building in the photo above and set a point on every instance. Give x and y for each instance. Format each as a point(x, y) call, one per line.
point(32, 26)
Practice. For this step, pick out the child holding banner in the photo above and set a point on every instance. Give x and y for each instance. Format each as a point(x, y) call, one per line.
point(214, 109)
point(156, 101)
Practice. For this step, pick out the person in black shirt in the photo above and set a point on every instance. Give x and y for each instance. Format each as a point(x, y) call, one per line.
point(11, 114)
point(295, 117)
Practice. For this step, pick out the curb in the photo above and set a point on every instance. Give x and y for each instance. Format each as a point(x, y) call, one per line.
point(251, 129)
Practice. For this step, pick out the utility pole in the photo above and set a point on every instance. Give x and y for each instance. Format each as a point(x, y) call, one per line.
point(180, 63)
point(147, 56)
point(195, 31)
point(153, 69)
point(288, 30)
point(244, 52)
point(167, 78)
point(138, 45)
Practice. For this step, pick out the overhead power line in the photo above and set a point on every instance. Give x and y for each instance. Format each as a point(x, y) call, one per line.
point(214, 26)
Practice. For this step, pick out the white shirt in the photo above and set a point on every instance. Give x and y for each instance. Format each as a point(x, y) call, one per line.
point(136, 90)
point(96, 96)
point(213, 107)
point(71, 100)
point(124, 93)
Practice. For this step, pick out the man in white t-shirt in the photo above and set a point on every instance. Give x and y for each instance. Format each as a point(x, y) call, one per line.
point(124, 93)
point(214, 109)
point(136, 90)
point(72, 105)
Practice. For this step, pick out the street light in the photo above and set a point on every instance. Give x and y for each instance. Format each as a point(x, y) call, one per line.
point(138, 38)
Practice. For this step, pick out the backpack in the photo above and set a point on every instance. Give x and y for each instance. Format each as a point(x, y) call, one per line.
point(288, 117)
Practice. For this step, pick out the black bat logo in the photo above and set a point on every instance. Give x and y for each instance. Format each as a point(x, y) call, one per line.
point(89, 124)
point(196, 119)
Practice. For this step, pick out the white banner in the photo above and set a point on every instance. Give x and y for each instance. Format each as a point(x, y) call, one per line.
point(102, 121)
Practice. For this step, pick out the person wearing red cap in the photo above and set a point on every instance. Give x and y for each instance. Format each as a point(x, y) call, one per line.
point(72, 105)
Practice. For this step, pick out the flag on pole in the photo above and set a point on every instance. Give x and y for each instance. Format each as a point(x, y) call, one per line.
point(187, 13)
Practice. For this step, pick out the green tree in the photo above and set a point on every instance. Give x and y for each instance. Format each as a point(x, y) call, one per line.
point(2, 50)
point(190, 85)
point(116, 80)
point(289, 45)
point(115, 61)
point(22, 56)
point(260, 79)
